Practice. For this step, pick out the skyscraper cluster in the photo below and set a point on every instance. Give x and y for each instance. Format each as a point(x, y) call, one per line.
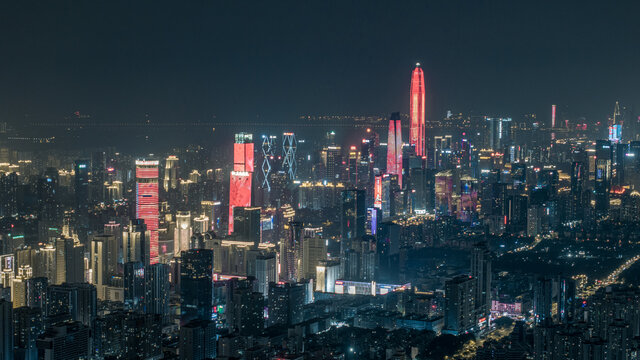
point(329, 242)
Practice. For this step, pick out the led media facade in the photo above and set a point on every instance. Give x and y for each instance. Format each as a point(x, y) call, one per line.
point(377, 192)
point(147, 201)
point(417, 106)
point(240, 181)
point(394, 148)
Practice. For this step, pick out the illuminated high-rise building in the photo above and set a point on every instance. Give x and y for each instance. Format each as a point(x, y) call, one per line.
point(331, 159)
point(266, 272)
point(135, 244)
point(497, 133)
point(459, 313)
point(69, 261)
point(602, 186)
point(182, 234)
point(289, 147)
point(196, 285)
point(417, 107)
point(170, 173)
point(353, 217)
point(99, 260)
point(290, 252)
point(481, 271)
point(394, 147)
point(247, 224)
point(268, 155)
point(147, 202)
point(240, 182)
point(377, 192)
point(314, 250)
point(201, 224)
point(81, 188)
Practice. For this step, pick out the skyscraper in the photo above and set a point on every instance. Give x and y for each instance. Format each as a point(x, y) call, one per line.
point(6, 330)
point(266, 272)
point(198, 340)
point(459, 313)
point(157, 290)
point(98, 262)
point(69, 261)
point(289, 146)
point(353, 217)
point(314, 250)
point(543, 301)
point(566, 293)
point(394, 147)
point(170, 173)
point(578, 180)
point(245, 313)
point(81, 188)
point(240, 180)
point(417, 110)
point(67, 340)
point(196, 285)
point(247, 224)
point(147, 202)
point(285, 303)
point(602, 186)
point(28, 324)
point(182, 233)
point(135, 289)
point(135, 242)
point(290, 247)
point(78, 301)
point(481, 271)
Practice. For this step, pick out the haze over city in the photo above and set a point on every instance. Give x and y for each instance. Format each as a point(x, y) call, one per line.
point(319, 180)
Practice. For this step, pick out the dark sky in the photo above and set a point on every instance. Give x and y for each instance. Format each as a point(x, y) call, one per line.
point(189, 60)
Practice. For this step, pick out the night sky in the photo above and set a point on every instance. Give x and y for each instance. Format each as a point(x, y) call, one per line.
point(276, 60)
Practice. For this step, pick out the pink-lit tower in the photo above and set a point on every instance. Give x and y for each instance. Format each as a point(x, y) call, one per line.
point(553, 123)
point(147, 202)
point(417, 106)
point(394, 147)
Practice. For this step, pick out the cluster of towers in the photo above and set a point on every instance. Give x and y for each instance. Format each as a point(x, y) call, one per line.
point(417, 127)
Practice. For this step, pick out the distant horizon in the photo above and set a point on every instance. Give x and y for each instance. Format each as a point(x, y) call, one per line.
point(239, 61)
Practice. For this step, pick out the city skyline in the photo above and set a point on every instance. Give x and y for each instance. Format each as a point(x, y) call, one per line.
point(319, 180)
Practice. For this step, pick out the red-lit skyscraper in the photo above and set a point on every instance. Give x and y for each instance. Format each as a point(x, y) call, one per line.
point(377, 192)
point(416, 136)
point(394, 147)
point(147, 202)
point(241, 176)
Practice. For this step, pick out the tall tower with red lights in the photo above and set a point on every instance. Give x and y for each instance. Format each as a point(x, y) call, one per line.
point(147, 202)
point(242, 174)
point(394, 147)
point(417, 106)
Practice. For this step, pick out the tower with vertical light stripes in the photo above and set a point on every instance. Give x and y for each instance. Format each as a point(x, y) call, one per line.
point(147, 202)
point(417, 111)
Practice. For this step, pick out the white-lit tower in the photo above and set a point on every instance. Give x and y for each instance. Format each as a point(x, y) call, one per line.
point(289, 146)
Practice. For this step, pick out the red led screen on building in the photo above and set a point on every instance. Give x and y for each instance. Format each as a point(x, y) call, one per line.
point(243, 157)
point(239, 193)
point(147, 202)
